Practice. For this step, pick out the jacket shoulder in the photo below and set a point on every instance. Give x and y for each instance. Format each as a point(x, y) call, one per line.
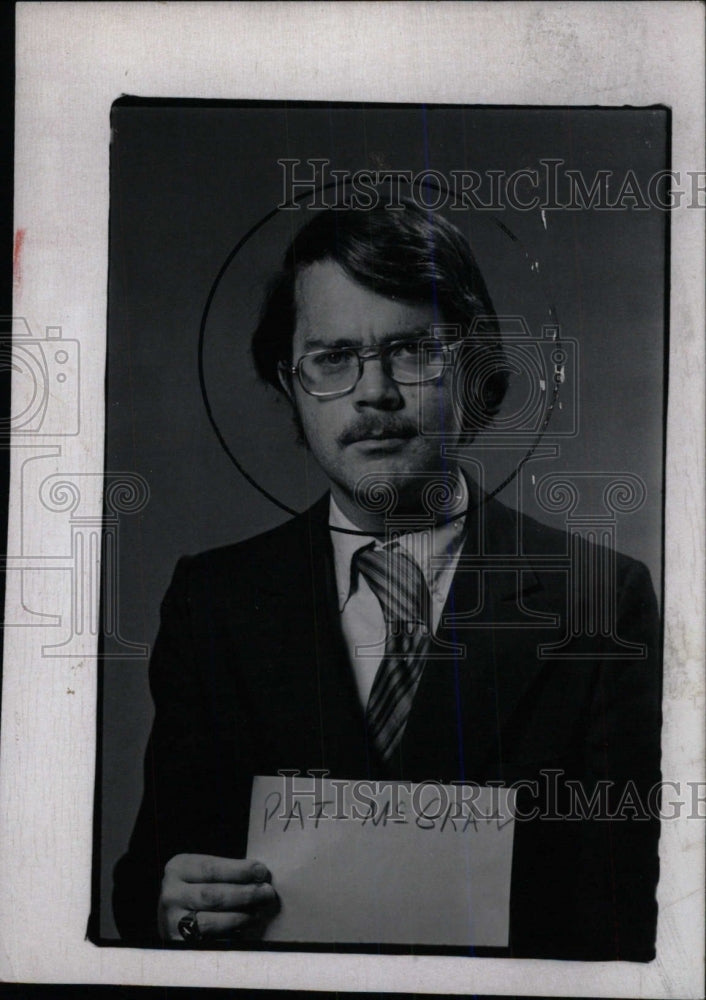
point(538, 539)
point(261, 561)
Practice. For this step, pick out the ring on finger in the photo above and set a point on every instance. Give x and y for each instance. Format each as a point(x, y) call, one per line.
point(189, 928)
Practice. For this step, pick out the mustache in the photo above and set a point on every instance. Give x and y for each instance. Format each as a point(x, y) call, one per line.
point(373, 428)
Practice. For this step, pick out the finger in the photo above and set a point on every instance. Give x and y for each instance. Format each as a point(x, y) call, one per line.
point(208, 868)
point(229, 925)
point(217, 896)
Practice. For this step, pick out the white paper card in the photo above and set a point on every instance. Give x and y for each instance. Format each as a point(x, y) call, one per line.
point(391, 863)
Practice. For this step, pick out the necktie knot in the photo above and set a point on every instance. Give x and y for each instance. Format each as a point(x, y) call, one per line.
point(399, 585)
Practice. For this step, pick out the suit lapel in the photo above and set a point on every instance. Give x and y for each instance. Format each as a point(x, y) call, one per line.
point(319, 677)
point(464, 703)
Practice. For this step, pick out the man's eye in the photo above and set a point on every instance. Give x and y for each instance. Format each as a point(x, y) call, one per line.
point(334, 359)
point(407, 349)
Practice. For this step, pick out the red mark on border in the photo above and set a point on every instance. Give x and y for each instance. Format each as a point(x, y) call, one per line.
point(17, 259)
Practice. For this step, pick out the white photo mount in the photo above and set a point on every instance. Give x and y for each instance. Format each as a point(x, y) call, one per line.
point(573, 54)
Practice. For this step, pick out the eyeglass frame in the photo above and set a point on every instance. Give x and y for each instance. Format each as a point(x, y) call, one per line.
point(383, 353)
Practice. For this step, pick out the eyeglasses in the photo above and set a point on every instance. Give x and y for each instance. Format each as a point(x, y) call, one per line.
point(337, 370)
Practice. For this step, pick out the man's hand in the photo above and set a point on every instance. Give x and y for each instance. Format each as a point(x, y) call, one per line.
point(230, 896)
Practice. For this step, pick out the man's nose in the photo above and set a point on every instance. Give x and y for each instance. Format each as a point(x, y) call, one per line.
point(376, 388)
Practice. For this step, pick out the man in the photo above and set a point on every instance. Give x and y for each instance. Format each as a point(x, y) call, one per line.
point(317, 645)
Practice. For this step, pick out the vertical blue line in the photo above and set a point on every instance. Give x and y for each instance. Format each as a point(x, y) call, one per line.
point(442, 415)
point(451, 600)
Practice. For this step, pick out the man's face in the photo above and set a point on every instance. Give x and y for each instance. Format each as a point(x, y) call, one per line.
point(374, 428)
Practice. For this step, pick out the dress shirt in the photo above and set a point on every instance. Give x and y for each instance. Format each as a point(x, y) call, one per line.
point(362, 622)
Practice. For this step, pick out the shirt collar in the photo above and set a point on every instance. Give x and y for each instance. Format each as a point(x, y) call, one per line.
point(345, 547)
point(446, 540)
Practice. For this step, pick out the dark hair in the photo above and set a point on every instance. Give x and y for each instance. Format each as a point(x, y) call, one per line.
point(410, 254)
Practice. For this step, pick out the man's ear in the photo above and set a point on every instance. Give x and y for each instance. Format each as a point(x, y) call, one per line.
point(285, 380)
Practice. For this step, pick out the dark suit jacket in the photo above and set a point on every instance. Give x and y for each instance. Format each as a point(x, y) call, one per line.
point(250, 676)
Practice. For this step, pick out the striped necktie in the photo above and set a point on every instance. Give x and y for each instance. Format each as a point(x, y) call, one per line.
point(399, 585)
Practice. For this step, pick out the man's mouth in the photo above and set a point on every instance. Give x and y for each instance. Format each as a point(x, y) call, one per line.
point(378, 434)
point(387, 436)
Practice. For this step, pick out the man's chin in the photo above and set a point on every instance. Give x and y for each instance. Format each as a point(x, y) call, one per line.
point(394, 487)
